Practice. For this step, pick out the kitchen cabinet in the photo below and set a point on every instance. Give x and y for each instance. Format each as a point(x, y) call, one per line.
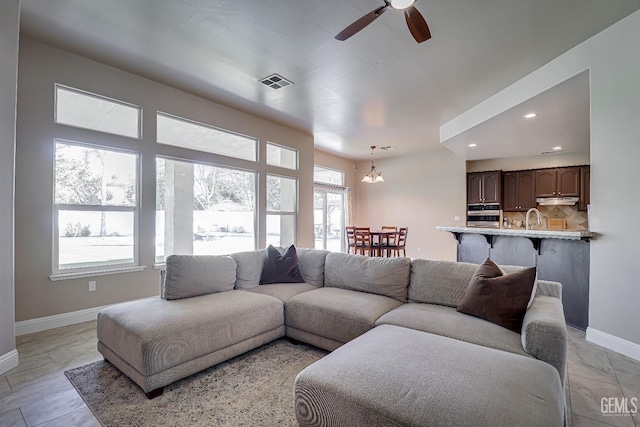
point(585, 188)
point(558, 182)
point(484, 187)
point(518, 191)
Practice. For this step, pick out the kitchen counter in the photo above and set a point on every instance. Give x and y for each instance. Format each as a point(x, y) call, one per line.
point(521, 232)
point(559, 255)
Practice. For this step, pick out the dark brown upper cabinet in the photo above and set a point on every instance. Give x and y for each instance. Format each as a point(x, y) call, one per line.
point(484, 187)
point(585, 188)
point(559, 182)
point(518, 194)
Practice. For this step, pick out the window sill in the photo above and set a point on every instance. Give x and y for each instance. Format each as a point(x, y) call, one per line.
point(160, 266)
point(80, 275)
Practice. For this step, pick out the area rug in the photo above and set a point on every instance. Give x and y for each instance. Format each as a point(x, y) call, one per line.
point(253, 389)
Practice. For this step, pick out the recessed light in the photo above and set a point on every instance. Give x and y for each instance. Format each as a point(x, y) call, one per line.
point(472, 145)
point(558, 148)
point(530, 115)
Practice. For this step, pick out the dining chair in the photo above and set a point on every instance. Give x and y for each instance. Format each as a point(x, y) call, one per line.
point(390, 241)
point(351, 239)
point(364, 243)
point(401, 242)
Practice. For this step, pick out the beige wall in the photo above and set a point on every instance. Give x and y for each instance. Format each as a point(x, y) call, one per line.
point(534, 162)
point(421, 190)
point(40, 67)
point(9, 29)
point(613, 59)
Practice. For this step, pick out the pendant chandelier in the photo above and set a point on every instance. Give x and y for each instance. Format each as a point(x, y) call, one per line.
point(372, 176)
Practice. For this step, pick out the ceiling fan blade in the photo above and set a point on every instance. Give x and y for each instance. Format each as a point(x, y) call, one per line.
point(361, 23)
point(417, 25)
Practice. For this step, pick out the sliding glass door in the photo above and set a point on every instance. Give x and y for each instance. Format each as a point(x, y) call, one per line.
point(329, 217)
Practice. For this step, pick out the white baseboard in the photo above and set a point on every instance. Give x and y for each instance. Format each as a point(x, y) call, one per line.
point(8, 361)
point(614, 343)
point(56, 321)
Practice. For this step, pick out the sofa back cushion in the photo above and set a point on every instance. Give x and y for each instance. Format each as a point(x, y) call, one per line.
point(443, 282)
point(311, 263)
point(249, 268)
point(439, 282)
point(383, 276)
point(189, 276)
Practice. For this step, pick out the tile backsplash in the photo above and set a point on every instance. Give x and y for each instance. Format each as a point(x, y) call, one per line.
point(576, 220)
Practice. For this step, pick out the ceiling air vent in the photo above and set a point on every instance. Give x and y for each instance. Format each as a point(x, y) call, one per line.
point(388, 147)
point(275, 81)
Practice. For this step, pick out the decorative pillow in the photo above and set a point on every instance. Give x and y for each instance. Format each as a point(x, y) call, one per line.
point(281, 268)
point(500, 299)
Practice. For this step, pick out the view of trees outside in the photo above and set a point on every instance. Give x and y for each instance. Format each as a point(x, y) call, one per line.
point(220, 206)
point(328, 225)
point(89, 184)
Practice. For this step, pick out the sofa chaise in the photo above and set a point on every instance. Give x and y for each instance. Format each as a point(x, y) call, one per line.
point(213, 308)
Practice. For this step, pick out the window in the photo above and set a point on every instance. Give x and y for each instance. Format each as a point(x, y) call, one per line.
point(89, 111)
point(329, 218)
point(197, 136)
point(328, 176)
point(96, 207)
point(282, 207)
point(281, 156)
point(203, 209)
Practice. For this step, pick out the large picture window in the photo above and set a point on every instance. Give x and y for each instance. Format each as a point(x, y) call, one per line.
point(282, 208)
point(96, 208)
point(203, 209)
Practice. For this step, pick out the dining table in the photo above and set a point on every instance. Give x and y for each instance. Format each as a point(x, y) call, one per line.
point(380, 239)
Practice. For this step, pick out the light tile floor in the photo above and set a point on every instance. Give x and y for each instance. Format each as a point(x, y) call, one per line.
point(37, 393)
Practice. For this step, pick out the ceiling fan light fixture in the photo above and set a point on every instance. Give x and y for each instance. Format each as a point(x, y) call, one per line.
point(373, 176)
point(401, 4)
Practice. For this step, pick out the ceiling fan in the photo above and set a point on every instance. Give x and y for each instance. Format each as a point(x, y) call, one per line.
point(416, 23)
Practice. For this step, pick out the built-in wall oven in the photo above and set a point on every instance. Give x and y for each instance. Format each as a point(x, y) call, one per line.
point(483, 215)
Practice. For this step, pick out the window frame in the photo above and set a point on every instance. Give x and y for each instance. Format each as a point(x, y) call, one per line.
point(98, 96)
point(282, 147)
point(293, 213)
point(209, 126)
point(105, 268)
point(342, 174)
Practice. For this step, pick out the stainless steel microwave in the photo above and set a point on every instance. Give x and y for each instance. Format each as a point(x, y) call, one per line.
point(483, 215)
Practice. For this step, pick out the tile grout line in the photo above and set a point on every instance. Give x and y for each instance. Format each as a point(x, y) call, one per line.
point(615, 372)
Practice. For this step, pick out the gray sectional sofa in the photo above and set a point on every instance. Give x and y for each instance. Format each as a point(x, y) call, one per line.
point(391, 321)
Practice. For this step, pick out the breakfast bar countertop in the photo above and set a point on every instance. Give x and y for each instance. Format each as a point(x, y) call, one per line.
point(521, 232)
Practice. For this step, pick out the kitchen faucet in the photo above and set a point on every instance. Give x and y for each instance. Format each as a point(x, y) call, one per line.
point(527, 226)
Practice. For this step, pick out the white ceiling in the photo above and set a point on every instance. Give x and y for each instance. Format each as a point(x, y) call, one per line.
point(378, 88)
point(563, 120)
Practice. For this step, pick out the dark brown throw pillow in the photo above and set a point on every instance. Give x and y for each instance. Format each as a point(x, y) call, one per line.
point(281, 268)
point(500, 299)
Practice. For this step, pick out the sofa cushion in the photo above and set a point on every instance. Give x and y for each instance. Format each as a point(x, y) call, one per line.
point(446, 321)
point(498, 298)
point(282, 291)
point(439, 282)
point(394, 376)
point(281, 267)
point(337, 314)
point(189, 276)
point(311, 262)
point(154, 334)
point(249, 268)
point(382, 276)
